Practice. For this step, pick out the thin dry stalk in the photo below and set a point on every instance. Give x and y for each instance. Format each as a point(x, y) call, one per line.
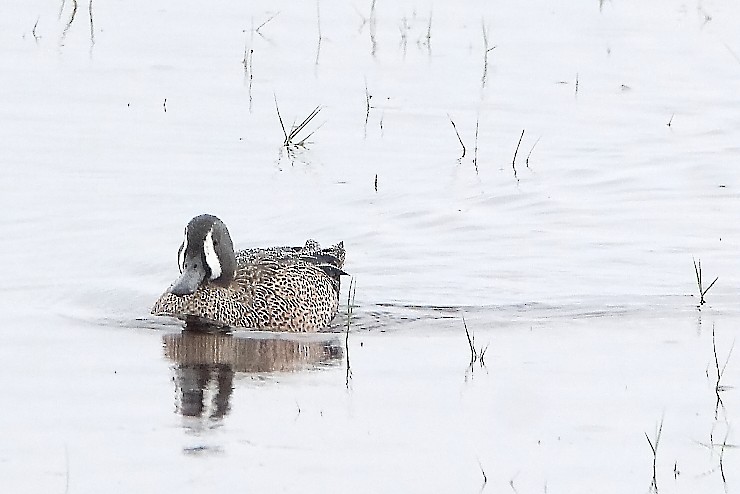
point(475, 354)
point(654, 448)
point(291, 136)
point(425, 40)
point(404, 28)
point(33, 31)
point(265, 23)
point(722, 459)
point(458, 136)
point(482, 355)
point(718, 386)
point(92, 28)
point(486, 51)
point(475, 148)
point(69, 22)
point(372, 23)
point(532, 149)
point(670, 121)
point(318, 42)
point(513, 161)
point(306, 121)
point(429, 32)
point(702, 291)
point(251, 77)
point(66, 469)
point(282, 126)
point(483, 472)
point(368, 97)
point(248, 73)
point(471, 343)
point(350, 310)
point(732, 52)
point(576, 83)
point(511, 484)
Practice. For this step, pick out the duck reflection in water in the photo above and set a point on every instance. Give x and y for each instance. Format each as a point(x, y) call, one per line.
point(206, 362)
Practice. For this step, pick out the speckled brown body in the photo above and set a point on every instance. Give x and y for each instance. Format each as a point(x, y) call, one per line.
point(292, 289)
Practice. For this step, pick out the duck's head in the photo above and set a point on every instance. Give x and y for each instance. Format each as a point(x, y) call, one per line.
point(206, 255)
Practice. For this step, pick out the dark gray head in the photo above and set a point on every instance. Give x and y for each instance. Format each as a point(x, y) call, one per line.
point(206, 254)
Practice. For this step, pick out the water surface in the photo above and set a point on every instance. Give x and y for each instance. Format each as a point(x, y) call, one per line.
point(572, 263)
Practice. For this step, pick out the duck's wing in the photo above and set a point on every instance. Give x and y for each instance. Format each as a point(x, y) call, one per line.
point(255, 266)
point(249, 256)
point(331, 258)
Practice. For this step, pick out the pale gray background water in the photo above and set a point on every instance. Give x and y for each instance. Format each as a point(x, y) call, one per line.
point(577, 270)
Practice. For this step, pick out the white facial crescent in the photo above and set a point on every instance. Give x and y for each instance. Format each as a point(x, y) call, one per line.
point(211, 256)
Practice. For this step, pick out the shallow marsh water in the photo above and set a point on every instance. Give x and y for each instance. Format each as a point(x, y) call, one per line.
point(574, 267)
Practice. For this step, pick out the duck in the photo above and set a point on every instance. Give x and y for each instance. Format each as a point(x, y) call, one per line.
point(291, 289)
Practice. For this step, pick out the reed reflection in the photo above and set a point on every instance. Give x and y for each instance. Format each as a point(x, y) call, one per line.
point(206, 364)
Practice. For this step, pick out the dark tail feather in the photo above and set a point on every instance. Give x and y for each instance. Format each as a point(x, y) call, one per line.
point(329, 260)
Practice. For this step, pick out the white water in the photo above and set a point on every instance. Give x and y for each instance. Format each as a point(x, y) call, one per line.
point(577, 269)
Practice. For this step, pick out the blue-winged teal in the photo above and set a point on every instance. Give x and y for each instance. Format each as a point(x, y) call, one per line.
point(276, 289)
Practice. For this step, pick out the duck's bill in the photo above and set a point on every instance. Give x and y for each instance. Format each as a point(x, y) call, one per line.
point(188, 281)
